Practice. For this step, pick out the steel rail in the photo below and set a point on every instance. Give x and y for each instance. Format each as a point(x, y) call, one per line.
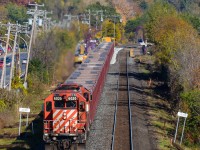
point(115, 116)
point(129, 106)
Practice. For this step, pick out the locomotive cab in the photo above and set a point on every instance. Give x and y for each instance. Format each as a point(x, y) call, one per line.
point(65, 115)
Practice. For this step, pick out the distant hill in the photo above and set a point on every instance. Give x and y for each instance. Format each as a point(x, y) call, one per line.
point(131, 8)
point(192, 6)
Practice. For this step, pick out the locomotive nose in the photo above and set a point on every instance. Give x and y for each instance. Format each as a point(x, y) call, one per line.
point(65, 121)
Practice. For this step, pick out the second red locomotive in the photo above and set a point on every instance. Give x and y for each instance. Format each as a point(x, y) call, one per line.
point(70, 109)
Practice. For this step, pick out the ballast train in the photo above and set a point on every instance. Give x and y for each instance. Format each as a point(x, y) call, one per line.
point(70, 109)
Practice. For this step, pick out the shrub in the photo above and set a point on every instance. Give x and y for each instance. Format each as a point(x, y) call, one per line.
point(191, 104)
point(16, 13)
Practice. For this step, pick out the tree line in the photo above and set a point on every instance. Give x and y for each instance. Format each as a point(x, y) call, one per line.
point(177, 50)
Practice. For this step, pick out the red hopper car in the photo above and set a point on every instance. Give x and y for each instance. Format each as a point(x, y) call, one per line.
point(70, 109)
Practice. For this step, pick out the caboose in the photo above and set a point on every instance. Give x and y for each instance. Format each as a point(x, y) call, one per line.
point(70, 109)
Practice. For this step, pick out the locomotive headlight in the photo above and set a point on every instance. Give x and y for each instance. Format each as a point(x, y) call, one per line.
point(46, 134)
point(74, 138)
point(54, 138)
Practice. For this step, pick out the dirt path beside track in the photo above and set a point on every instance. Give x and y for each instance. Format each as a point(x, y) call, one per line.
point(142, 136)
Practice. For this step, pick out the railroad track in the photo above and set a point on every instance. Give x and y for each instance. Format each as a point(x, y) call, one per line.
point(78, 147)
point(122, 127)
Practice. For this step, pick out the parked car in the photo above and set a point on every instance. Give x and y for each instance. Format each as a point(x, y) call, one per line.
point(24, 61)
point(1, 64)
point(141, 42)
point(8, 61)
point(22, 46)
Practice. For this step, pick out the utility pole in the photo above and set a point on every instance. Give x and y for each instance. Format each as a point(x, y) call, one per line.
point(77, 17)
point(78, 23)
point(115, 16)
point(72, 17)
point(50, 24)
point(29, 51)
point(35, 14)
point(114, 31)
point(101, 14)
point(13, 57)
point(89, 19)
point(18, 65)
point(3, 75)
point(95, 13)
point(16, 28)
point(114, 27)
point(46, 20)
point(101, 23)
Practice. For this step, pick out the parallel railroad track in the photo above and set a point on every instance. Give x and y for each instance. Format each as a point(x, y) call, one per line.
point(122, 128)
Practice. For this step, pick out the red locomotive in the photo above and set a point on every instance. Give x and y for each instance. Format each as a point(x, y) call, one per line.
point(70, 109)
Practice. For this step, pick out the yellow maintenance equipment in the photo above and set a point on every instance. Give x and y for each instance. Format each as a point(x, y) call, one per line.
point(78, 59)
point(82, 49)
point(131, 53)
point(80, 55)
point(107, 39)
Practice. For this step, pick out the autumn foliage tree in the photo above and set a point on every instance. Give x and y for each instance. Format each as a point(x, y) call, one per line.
point(108, 29)
point(3, 13)
point(177, 43)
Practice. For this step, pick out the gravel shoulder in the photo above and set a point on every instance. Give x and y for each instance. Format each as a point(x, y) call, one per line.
point(101, 130)
point(142, 137)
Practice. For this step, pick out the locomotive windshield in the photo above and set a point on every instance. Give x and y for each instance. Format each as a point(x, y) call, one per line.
point(71, 104)
point(59, 104)
point(63, 104)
